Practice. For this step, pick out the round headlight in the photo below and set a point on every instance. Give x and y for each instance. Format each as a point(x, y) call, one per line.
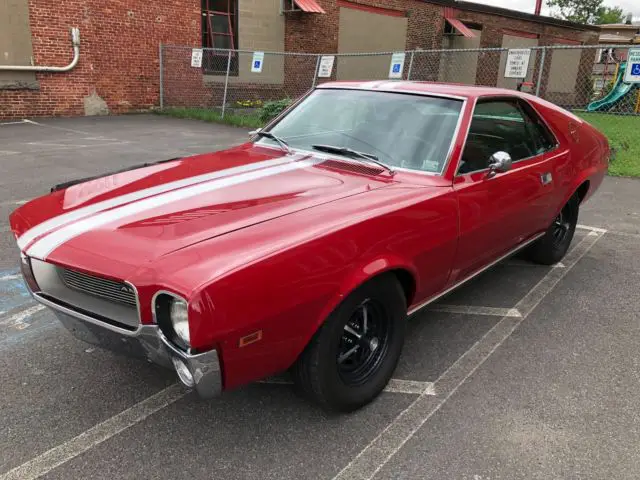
point(178, 313)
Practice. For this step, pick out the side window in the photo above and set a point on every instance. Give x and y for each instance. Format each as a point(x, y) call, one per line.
point(504, 125)
point(542, 137)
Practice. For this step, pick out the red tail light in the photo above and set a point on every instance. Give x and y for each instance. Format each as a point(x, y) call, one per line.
point(27, 274)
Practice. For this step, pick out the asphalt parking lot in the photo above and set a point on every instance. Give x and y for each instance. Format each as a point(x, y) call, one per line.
point(527, 372)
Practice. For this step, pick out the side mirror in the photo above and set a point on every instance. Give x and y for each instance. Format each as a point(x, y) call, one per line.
point(499, 162)
point(254, 132)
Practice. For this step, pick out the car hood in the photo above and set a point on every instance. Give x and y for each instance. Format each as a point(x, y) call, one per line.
point(120, 222)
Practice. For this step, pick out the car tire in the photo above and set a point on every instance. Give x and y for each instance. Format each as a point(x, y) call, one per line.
point(343, 372)
point(553, 246)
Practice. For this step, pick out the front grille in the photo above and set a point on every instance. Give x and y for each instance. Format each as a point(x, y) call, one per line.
point(111, 290)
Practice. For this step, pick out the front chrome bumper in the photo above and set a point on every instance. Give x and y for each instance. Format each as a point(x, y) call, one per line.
point(146, 342)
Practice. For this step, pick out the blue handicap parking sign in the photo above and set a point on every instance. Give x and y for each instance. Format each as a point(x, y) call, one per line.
point(256, 64)
point(635, 69)
point(396, 68)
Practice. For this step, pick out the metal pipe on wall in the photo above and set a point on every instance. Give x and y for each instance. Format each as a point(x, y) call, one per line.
point(75, 41)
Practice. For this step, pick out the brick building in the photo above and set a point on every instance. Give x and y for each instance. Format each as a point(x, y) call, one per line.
point(118, 67)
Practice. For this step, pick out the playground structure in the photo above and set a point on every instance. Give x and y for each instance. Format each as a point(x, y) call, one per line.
point(617, 94)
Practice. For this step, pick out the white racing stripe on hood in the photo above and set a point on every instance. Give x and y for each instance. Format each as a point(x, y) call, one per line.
point(47, 226)
point(44, 246)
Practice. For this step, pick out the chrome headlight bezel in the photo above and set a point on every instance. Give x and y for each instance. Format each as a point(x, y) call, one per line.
point(179, 316)
point(171, 314)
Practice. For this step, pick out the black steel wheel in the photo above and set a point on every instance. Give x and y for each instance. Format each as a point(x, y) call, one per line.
point(364, 342)
point(553, 246)
point(353, 355)
point(561, 228)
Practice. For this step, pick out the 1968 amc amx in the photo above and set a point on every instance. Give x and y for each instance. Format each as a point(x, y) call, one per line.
point(307, 248)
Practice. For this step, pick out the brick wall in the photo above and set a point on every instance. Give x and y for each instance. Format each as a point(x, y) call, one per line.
point(118, 53)
point(495, 27)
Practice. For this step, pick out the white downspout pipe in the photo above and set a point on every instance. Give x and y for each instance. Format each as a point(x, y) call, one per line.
point(75, 41)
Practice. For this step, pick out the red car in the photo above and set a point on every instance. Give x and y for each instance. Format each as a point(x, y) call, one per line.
point(307, 248)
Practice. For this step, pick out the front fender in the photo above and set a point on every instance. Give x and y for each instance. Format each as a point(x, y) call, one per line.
point(359, 275)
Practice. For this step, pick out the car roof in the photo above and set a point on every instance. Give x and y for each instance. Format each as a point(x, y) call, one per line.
point(424, 88)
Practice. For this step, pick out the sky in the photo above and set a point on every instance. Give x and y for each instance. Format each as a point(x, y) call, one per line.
point(528, 6)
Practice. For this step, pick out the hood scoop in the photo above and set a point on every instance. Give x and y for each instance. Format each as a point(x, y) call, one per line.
point(355, 167)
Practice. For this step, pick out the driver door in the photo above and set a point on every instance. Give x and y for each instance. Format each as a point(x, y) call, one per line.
point(499, 211)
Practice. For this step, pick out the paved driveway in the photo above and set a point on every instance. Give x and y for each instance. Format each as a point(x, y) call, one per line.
point(527, 372)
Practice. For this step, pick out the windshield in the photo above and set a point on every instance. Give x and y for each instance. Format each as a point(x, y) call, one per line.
point(401, 130)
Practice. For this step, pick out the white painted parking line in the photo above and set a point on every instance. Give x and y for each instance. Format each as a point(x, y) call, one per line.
point(382, 448)
point(55, 457)
point(7, 152)
point(13, 202)
point(65, 146)
point(475, 310)
point(593, 229)
point(10, 277)
point(19, 317)
point(56, 127)
point(395, 385)
point(21, 122)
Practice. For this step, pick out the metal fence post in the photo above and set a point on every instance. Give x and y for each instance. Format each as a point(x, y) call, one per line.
point(410, 65)
point(315, 75)
point(542, 61)
point(161, 79)
point(226, 83)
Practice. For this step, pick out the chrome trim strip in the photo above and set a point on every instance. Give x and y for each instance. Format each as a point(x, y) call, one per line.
point(135, 290)
point(515, 162)
point(331, 86)
point(475, 274)
point(455, 137)
point(86, 318)
point(155, 321)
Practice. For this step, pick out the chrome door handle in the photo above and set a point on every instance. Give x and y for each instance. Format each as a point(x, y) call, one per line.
point(546, 178)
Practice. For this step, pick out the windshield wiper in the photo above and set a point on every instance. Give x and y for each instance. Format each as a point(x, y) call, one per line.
point(348, 152)
point(285, 146)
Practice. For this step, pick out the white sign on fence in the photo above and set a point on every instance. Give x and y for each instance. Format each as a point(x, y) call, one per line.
point(517, 63)
point(257, 62)
point(632, 74)
point(326, 66)
point(397, 65)
point(196, 57)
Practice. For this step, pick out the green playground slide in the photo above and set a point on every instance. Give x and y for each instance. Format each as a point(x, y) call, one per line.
point(619, 90)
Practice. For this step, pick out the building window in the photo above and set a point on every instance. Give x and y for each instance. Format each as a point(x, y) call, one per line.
point(219, 30)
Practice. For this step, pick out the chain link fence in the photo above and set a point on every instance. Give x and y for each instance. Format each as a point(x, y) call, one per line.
point(588, 80)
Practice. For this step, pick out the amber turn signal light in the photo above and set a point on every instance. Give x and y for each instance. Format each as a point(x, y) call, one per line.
point(249, 339)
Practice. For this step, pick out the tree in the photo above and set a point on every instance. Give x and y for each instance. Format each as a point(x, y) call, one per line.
point(609, 15)
point(585, 11)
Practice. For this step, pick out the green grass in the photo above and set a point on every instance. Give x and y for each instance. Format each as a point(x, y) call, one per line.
point(249, 121)
point(623, 132)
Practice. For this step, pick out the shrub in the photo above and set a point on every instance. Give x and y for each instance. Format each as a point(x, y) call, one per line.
point(272, 109)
